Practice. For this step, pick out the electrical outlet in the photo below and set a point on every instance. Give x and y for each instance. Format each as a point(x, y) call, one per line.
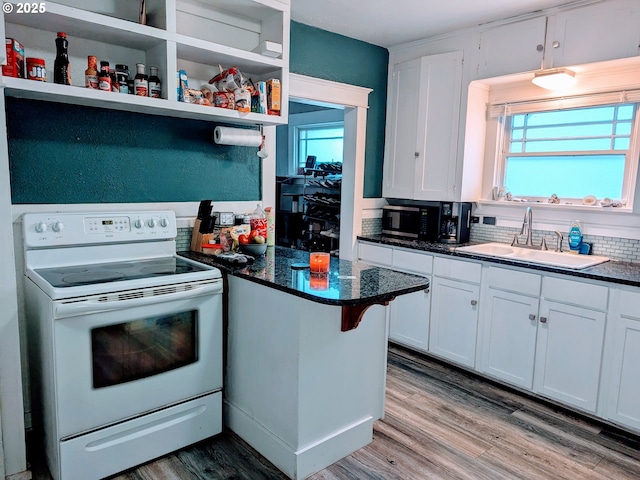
point(489, 220)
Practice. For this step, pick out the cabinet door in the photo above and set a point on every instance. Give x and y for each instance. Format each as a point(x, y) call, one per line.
point(623, 404)
point(509, 325)
point(454, 320)
point(438, 122)
point(516, 47)
point(401, 152)
point(604, 31)
point(569, 354)
point(409, 320)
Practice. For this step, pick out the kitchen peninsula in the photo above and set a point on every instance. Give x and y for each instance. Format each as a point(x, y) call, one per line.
point(306, 355)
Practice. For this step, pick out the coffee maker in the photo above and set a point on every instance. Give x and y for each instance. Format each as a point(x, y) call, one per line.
point(455, 222)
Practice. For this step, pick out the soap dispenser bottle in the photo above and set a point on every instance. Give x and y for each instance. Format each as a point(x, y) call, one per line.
point(575, 236)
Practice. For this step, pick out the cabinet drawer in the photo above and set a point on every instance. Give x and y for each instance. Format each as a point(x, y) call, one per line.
point(513, 281)
point(629, 303)
point(413, 262)
point(375, 254)
point(458, 269)
point(582, 294)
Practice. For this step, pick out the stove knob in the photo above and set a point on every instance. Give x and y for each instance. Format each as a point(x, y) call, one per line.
point(164, 223)
point(58, 227)
point(41, 227)
point(151, 222)
point(138, 223)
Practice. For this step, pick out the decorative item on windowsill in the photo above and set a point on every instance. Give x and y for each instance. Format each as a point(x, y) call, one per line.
point(607, 202)
point(242, 137)
point(553, 199)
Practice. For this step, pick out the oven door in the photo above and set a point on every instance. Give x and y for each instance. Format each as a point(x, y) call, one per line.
point(117, 356)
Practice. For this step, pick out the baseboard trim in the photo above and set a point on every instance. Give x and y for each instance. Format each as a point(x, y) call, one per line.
point(301, 461)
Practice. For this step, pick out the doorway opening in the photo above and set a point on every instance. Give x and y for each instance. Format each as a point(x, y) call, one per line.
point(309, 159)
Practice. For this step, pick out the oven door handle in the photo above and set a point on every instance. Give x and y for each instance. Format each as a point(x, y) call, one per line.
point(88, 307)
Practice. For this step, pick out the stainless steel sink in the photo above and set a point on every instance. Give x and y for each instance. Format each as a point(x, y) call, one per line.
point(543, 257)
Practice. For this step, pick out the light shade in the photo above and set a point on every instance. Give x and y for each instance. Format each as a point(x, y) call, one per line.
point(554, 79)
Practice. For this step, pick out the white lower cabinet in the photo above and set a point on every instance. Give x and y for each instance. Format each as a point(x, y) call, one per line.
point(509, 324)
point(408, 314)
point(570, 342)
point(455, 292)
point(622, 402)
point(542, 333)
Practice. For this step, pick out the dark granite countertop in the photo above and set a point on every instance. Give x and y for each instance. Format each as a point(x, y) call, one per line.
point(626, 273)
point(347, 283)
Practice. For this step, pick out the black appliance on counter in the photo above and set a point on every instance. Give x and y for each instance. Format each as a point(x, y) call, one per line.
point(455, 222)
point(446, 222)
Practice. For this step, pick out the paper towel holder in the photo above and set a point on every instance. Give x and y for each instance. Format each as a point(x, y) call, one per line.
point(261, 150)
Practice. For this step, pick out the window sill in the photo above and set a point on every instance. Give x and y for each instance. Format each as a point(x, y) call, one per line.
point(618, 222)
point(557, 206)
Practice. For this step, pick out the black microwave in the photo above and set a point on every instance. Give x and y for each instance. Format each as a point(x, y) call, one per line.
point(413, 222)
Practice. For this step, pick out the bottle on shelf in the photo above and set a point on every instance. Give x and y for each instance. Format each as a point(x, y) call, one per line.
point(122, 74)
point(115, 86)
point(104, 78)
point(61, 66)
point(258, 221)
point(155, 88)
point(141, 82)
point(91, 74)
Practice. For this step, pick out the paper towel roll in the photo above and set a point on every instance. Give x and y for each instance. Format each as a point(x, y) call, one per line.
point(237, 136)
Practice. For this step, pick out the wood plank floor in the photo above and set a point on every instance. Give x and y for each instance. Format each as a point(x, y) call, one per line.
point(440, 423)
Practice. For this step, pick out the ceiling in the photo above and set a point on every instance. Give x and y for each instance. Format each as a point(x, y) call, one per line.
point(386, 23)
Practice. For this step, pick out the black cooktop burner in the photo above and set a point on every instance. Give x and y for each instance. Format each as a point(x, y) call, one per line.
point(75, 276)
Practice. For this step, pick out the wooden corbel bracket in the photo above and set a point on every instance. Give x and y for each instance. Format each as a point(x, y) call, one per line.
point(352, 314)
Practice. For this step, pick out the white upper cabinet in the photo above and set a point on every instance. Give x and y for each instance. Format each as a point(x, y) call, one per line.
point(422, 128)
point(515, 47)
point(198, 36)
point(604, 31)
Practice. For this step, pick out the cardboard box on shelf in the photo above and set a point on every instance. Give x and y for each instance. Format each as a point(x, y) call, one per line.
point(14, 66)
point(273, 96)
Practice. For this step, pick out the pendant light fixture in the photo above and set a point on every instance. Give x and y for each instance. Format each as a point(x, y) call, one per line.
point(555, 78)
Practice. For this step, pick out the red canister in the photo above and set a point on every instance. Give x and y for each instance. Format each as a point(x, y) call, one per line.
point(36, 69)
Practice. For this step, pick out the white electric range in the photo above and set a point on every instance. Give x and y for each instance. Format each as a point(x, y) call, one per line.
point(124, 340)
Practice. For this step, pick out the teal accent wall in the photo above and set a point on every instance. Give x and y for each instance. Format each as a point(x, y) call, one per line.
point(71, 154)
point(321, 54)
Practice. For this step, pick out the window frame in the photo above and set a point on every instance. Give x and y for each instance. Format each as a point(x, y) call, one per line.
point(313, 126)
point(584, 101)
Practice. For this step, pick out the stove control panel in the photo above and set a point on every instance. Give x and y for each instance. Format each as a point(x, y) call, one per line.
point(58, 229)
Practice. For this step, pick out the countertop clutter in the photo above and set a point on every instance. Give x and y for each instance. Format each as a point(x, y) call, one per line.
point(625, 273)
point(347, 283)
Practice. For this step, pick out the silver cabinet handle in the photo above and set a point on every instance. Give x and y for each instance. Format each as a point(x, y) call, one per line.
point(539, 47)
point(543, 319)
point(555, 44)
point(532, 316)
point(416, 154)
point(474, 302)
point(426, 290)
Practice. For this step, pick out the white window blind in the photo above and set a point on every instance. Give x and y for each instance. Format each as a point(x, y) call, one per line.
point(500, 109)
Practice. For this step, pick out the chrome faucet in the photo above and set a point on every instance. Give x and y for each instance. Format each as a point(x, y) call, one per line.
point(527, 229)
point(559, 238)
